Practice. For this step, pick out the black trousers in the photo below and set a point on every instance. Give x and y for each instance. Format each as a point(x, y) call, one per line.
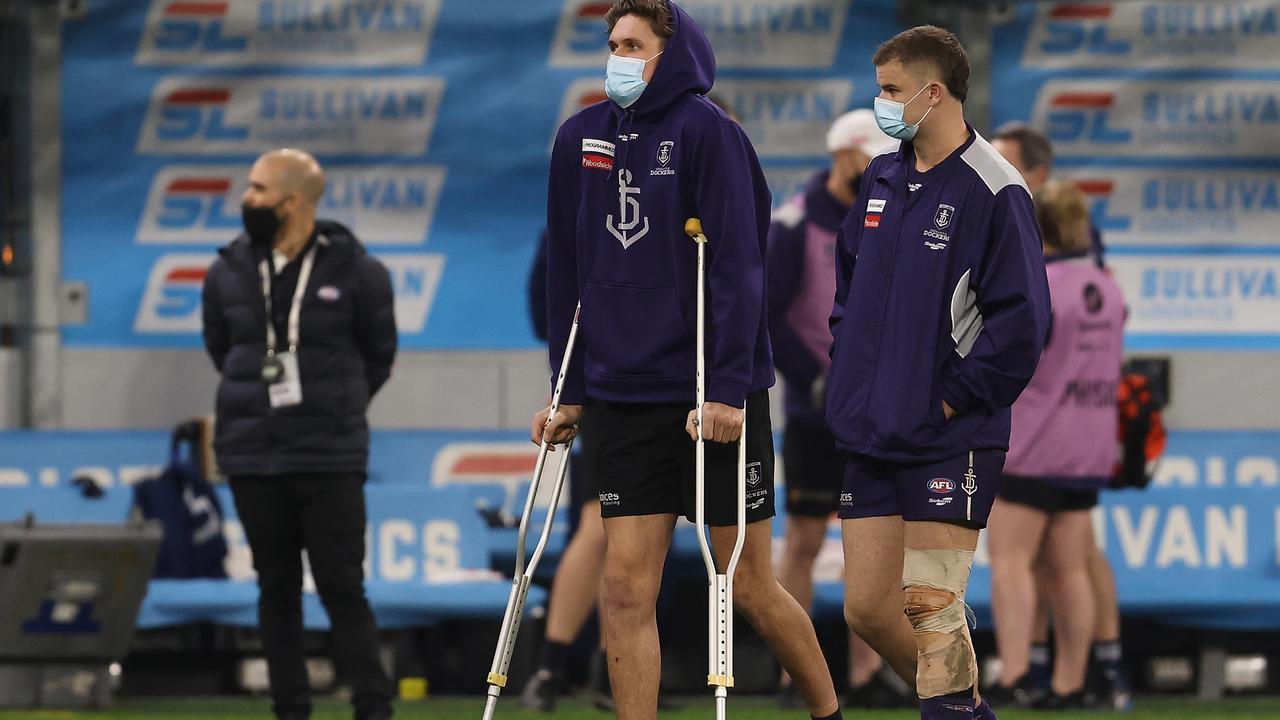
point(325, 515)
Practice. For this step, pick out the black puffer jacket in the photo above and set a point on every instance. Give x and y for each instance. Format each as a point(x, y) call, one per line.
point(347, 341)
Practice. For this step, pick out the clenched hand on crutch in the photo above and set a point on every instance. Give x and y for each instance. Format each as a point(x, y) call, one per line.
point(719, 585)
point(523, 575)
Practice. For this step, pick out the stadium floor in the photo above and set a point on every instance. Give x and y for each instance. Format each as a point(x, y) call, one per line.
point(751, 708)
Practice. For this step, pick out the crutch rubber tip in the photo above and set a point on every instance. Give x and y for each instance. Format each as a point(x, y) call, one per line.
point(693, 228)
point(498, 679)
point(720, 680)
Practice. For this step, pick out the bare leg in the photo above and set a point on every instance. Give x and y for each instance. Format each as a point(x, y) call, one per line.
point(1103, 582)
point(1015, 534)
point(873, 598)
point(577, 583)
point(864, 663)
point(803, 541)
point(635, 552)
point(804, 536)
point(1066, 553)
point(775, 615)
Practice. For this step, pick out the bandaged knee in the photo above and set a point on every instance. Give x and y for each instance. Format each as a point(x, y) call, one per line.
point(934, 582)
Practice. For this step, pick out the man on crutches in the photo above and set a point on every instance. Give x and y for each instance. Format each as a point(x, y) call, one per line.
point(625, 175)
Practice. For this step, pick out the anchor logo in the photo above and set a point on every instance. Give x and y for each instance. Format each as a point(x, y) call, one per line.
point(970, 482)
point(628, 213)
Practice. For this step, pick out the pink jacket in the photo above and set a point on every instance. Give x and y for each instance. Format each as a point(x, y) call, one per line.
point(1064, 423)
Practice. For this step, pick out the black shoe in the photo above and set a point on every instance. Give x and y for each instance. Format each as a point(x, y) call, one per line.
point(1023, 693)
point(541, 692)
point(880, 692)
point(1108, 689)
point(1054, 701)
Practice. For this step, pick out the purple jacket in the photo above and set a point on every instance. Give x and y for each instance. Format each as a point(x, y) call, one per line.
point(940, 295)
point(622, 185)
point(1064, 424)
point(802, 281)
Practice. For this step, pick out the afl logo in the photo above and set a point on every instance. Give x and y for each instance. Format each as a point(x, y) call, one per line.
point(941, 486)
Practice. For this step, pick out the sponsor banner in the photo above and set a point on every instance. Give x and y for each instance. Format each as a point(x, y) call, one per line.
point(787, 118)
point(288, 32)
point(171, 302)
point(383, 205)
point(154, 169)
point(580, 93)
point(1190, 295)
point(1198, 547)
point(783, 118)
point(794, 34)
point(1227, 34)
point(415, 280)
point(1164, 207)
point(350, 115)
point(1161, 118)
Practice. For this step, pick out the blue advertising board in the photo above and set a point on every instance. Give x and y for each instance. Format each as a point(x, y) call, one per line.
point(1200, 546)
point(1167, 116)
point(433, 119)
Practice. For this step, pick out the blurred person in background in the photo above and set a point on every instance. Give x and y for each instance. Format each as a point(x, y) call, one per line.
point(1030, 151)
point(1062, 451)
point(802, 280)
point(299, 322)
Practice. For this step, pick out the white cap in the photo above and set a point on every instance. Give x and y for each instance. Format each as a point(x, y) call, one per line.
point(858, 130)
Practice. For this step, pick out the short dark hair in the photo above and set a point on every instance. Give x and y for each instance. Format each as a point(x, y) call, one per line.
point(1033, 146)
point(935, 46)
point(657, 12)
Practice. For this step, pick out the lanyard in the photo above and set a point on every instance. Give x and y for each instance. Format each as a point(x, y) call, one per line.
point(295, 309)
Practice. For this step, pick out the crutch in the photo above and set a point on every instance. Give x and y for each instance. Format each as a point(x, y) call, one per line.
point(719, 585)
point(524, 575)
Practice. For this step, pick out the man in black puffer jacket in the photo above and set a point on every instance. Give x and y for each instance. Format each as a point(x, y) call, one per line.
point(291, 429)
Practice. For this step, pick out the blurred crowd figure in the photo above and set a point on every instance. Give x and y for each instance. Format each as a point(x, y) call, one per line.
point(1063, 451)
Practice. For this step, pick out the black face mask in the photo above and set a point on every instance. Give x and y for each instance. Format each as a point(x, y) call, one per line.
point(854, 182)
point(261, 223)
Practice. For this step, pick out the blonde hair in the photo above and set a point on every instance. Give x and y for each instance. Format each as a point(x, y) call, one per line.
point(1063, 215)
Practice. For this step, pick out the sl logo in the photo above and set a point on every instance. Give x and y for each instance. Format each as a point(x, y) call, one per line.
point(628, 213)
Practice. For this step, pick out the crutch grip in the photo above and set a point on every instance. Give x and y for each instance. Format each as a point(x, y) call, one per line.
point(693, 228)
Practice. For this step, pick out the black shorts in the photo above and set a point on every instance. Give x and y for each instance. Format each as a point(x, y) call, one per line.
point(643, 462)
point(582, 481)
point(1045, 497)
point(814, 468)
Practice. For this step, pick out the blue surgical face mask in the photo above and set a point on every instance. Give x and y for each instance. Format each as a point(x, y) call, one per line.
point(624, 79)
point(889, 117)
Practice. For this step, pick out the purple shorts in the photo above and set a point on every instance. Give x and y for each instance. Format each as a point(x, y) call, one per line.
point(959, 489)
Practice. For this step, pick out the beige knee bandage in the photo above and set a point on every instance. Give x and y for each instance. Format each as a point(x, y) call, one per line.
point(934, 582)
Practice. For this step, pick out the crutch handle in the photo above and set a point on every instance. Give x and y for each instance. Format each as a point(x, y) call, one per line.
point(693, 228)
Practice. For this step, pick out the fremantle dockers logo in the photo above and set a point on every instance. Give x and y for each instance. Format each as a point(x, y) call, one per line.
point(664, 151)
point(629, 217)
point(753, 474)
point(942, 218)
